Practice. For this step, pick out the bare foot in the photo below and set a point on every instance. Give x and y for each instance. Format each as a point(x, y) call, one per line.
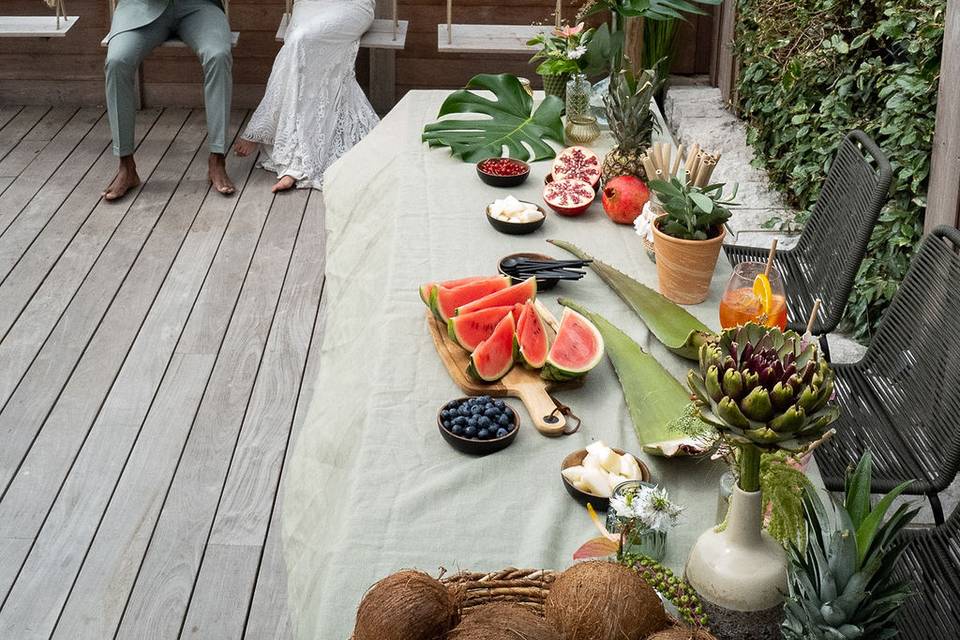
point(284, 184)
point(217, 174)
point(243, 147)
point(125, 180)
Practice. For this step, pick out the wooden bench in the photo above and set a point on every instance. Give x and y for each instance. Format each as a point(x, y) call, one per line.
point(382, 34)
point(176, 42)
point(489, 38)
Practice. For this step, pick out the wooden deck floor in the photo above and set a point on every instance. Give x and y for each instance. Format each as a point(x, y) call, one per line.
point(155, 356)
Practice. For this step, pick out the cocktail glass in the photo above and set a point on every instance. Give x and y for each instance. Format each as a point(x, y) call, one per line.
point(746, 299)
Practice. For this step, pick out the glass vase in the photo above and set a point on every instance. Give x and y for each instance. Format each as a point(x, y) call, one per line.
point(581, 130)
point(578, 96)
point(639, 540)
point(555, 85)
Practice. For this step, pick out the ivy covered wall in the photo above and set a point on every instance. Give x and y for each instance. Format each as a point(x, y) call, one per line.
point(812, 70)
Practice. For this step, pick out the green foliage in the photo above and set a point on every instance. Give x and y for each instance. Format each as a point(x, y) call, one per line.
point(562, 50)
point(510, 122)
point(692, 213)
point(782, 484)
point(812, 70)
point(675, 589)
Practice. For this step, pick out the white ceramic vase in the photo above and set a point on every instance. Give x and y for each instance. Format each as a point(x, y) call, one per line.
point(740, 573)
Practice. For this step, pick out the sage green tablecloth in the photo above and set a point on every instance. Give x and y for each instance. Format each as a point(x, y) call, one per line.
point(372, 487)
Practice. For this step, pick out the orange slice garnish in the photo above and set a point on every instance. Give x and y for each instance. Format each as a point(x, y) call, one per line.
point(764, 293)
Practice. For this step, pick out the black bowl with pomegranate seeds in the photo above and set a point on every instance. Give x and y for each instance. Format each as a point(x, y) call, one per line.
point(503, 172)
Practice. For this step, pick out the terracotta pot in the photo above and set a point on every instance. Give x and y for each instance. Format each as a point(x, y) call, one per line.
point(685, 267)
point(740, 573)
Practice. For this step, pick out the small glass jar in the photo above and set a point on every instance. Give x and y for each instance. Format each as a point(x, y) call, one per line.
point(578, 96)
point(581, 130)
point(640, 540)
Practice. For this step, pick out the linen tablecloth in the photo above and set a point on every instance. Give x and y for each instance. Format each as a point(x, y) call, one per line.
point(372, 487)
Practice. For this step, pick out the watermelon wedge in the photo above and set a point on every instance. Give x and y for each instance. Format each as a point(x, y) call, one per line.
point(493, 359)
point(430, 288)
point(518, 293)
point(446, 299)
point(517, 312)
point(530, 343)
point(577, 349)
point(470, 329)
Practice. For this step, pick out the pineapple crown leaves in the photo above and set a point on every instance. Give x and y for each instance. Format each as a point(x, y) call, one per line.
point(627, 105)
point(842, 585)
point(692, 213)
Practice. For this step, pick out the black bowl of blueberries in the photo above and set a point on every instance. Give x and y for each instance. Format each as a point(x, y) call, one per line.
point(478, 425)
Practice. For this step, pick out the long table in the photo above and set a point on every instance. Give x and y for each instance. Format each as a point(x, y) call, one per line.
point(372, 487)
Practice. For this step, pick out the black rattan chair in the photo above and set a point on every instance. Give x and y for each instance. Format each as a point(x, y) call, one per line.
point(931, 562)
point(825, 260)
point(902, 400)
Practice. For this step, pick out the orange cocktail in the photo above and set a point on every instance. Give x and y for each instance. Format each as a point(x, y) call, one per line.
point(752, 296)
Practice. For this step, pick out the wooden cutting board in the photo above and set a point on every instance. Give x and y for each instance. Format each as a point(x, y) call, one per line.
point(523, 383)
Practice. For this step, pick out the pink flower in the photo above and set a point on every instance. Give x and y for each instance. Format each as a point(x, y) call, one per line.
point(568, 32)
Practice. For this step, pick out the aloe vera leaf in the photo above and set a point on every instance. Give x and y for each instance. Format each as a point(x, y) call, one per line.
point(674, 326)
point(654, 398)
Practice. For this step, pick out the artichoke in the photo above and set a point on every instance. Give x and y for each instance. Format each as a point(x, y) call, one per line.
point(764, 387)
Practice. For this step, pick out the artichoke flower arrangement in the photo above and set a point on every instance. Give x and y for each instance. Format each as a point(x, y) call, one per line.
point(763, 390)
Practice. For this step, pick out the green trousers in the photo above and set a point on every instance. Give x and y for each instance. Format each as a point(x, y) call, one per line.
point(203, 27)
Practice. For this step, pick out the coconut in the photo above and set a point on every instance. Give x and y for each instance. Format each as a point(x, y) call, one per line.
point(408, 605)
point(601, 600)
point(502, 621)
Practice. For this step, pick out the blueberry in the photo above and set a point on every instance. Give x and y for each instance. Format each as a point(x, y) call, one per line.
point(503, 420)
point(457, 430)
point(499, 404)
point(476, 409)
point(491, 412)
point(463, 410)
point(502, 432)
point(470, 431)
point(459, 421)
point(483, 422)
point(484, 434)
point(446, 424)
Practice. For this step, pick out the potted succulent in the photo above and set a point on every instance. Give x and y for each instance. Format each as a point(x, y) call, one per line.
point(563, 54)
point(763, 390)
point(687, 236)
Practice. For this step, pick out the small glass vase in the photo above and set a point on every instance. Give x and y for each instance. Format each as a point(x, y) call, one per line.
point(555, 85)
point(578, 96)
point(640, 540)
point(581, 130)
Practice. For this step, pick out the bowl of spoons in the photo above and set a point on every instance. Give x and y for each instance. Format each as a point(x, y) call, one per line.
point(548, 270)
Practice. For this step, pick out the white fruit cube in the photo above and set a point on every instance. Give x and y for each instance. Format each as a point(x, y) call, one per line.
point(591, 461)
point(573, 474)
point(598, 482)
point(629, 467)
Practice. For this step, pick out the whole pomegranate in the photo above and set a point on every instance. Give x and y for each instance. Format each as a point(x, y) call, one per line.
point(623, 198)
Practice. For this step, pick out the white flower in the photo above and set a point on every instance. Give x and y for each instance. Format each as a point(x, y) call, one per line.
point(577, 53)
point(644, 223)
point(650, 506)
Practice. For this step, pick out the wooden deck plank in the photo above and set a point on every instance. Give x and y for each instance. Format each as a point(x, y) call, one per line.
point(44, 164)
point(110, 225)
point(26, 151)
point(246, 505)
point(55, 559)
point(8, 112)
point(78, 182)
point(100, 595)
point(161, 593)
point(19, 126)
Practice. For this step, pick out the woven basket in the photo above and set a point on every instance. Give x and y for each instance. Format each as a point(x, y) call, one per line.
point(525, 587)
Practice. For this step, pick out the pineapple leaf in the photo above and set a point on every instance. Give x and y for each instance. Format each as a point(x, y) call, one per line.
point(871, 524)
point(858, 491)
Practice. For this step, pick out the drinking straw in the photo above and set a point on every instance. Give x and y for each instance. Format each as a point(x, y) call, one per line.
point(808, 334)
point(770, 256)
point(666, 150)
point(648, 166)
point(691, 160)
point(676, 161)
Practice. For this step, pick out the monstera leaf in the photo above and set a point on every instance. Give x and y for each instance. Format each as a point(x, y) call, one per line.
point(511, 122)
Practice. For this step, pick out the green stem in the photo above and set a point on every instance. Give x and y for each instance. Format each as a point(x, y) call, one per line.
point(749, 468)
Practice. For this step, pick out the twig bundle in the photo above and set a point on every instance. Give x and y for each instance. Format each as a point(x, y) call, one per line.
point(698, 166)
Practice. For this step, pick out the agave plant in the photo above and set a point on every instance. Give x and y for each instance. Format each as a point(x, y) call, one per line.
point(842, 586)
point(763, 390)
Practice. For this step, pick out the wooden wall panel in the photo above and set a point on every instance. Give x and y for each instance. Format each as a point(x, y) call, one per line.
point(70, 69)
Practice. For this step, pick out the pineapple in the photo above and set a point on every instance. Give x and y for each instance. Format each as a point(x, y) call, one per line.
point(631, 122)
point(843, 585)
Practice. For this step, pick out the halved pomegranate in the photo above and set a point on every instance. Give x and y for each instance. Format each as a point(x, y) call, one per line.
point(569, 197)
point(577, 163)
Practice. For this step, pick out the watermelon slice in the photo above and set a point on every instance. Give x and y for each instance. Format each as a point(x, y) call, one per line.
point(577, 349)
point(446, 299)
point(517, 312)
point(470, 329)
point(518, 293)
point(530, 344)
point(493, 359)
point(429, 289)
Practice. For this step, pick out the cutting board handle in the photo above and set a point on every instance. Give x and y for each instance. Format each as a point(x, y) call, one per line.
point(542, 410)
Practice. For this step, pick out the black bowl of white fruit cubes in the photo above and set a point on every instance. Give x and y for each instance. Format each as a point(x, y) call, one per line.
point(515, 217)
point(478, 425)
point(503, 172)
point(590, 475)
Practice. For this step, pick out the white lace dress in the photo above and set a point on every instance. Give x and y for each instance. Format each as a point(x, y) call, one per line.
point(313, 110)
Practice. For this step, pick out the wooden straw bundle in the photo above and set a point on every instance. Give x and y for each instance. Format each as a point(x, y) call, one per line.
point(698, 166)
